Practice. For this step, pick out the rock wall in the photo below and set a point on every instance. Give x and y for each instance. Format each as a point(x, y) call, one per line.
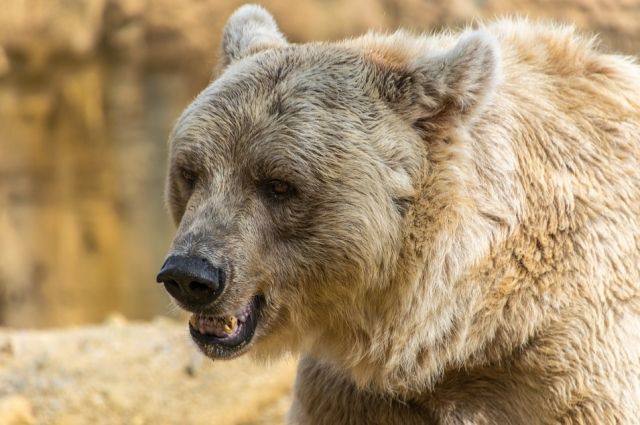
point(169, 33)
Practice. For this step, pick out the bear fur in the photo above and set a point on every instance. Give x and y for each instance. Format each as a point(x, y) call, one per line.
point(457, 240)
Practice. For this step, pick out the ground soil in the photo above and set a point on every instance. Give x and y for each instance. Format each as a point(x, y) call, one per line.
point(133, 373)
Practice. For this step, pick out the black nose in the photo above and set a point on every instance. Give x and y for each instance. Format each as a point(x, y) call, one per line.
point(193, 281)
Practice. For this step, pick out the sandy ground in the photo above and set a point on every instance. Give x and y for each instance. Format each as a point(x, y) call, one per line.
point(133, 373)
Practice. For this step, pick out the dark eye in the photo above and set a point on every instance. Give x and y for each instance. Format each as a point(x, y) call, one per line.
point(188, 177)
point(277, 189)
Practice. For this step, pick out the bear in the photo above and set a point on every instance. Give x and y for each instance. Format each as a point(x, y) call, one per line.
point(445, 228)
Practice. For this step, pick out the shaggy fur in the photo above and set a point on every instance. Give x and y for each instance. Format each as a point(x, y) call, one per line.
point(462, 244)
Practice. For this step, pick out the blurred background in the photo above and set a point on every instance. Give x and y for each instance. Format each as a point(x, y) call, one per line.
point(89, 90)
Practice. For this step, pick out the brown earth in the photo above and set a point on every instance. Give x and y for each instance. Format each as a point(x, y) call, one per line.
point(133, 373)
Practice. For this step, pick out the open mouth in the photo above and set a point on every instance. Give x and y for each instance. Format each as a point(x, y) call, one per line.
point(225, 337)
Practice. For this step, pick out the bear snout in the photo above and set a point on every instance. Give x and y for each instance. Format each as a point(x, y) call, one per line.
point(192, 280)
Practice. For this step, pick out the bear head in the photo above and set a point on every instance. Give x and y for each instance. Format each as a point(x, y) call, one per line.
point(307, 184)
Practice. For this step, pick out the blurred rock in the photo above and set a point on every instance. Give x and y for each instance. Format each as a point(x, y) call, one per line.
point(4, 62)
point(34, 31)
point(195, 363)
point(124, 27)
point(115, 318)
point(163, 32)
point(106, 375)
point(6, 348)
point(16, 410)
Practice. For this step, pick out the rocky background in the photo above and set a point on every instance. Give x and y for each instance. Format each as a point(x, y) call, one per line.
point(34, 34)
point(89, 90)
point(123, 373)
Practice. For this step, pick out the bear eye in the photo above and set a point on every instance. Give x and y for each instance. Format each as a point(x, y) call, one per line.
point(277, 189)
point(188, 177)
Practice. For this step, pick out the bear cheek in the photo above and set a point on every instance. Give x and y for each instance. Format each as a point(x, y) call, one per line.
point(176, 204)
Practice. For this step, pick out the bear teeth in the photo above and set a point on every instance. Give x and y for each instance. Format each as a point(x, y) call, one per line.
point(221, 327)
point(218, 326)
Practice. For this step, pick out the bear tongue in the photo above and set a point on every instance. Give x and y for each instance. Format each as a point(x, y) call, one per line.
point(211, 325)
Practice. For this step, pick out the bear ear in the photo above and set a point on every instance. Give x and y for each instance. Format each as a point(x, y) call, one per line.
point(249, 30)
point(438, 91)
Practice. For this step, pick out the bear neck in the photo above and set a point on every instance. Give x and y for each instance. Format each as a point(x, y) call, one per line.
point(492, 266)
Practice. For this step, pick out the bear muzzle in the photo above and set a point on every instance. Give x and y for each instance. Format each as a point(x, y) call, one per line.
point(193, 281)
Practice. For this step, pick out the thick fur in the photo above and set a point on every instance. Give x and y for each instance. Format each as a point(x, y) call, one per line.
point(463, 244)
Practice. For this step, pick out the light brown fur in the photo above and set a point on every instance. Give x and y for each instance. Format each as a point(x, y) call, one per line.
point(464, 247)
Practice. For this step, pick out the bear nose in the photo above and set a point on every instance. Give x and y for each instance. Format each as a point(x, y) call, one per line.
point(193, 281)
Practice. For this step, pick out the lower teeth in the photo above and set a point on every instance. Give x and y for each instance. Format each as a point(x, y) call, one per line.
point(209, 325)
point(231, 324)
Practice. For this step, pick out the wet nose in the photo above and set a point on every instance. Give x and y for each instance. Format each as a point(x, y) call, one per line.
point(193, 281)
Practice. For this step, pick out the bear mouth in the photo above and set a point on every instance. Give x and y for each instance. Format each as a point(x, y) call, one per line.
point(228, 336)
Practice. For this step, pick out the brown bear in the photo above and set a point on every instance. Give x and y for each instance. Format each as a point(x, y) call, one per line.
point(446, 227)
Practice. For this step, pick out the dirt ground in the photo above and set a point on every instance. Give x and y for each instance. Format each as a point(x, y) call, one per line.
point(133, 373)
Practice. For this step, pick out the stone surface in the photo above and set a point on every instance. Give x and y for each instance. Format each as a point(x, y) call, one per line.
point(16, 410)
point(142, 373)
point(163, 32)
